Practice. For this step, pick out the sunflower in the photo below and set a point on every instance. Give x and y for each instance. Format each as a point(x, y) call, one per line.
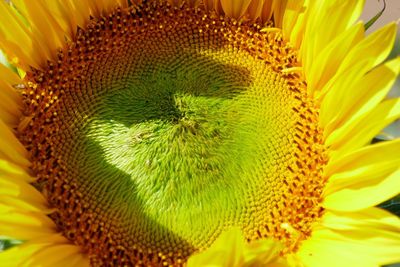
point(196, 133)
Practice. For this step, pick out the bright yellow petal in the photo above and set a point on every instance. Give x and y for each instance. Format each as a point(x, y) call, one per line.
point(9, 77)
point(64, 15)
point(372, 233)
point(372, 50)
point(380, 152)
point(328, 61)
point(11, 101)
point(376, 46)
point(213, 5)
point(25, 225)
point(362, 96)
point(255, 9)
point(9, 110)
point(78, 259)
point(17, 40)
point(363, 194)
point(22, 204)
point(230, 250)
point(14, 172)
point(81, 11)
point(19, 256)
point(11, 148)
point(16, 192)
point(294, 9)
point(359, 133)
point(370, 170)
point(372, 218)
point(338, 90)
point(58, 255)
point(320, 251)
point(263, 253)
point(278, 9)
point(235, 8)
point(101, 7)
point(266, 12)
point(16, 256)
point(326, 19)
point(44, 27)
point(22, 191)
point(221, 254)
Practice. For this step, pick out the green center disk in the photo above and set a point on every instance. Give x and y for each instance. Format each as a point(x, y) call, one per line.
point(176, 143)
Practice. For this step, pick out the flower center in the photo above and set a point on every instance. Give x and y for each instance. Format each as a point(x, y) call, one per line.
point(158, 128)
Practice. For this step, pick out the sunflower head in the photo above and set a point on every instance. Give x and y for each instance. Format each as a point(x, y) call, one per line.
point(170, 133)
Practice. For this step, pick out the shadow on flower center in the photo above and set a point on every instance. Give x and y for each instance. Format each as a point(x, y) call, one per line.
point(157, 130)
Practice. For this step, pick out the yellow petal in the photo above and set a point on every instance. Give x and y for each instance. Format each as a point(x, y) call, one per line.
point(19, 256)
point(328, 61)
point(16, 40)
point(337, 90)
point(78, 259)
point(320, 251)
point(278, 9)
point(356, 134)
point(266, 12)
point(14, 172)
point(380, 152)
point(363, 178)
point(235, 8)
point(344, 235)
point(44, 27)
point(16, 256)
point(58, 255)
point(22, 204)
point(64, 16)
point(325, 21)
point(375, 46)
point(22, 190)
point(11, 102)
point(11, 148)
point(9, 77)
point(263, 253)
point(123, 3)
point(363, 95)
point(101, 7)
point(317, 252)
point(225, 251)
point(255, 9)
point(364, 194)
point(294, 8)
point(95, 10)
point(81, 11)
point(371, 217)
point(25, 225)
point(213, 5)
point(230, 250)
point(8, 118)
